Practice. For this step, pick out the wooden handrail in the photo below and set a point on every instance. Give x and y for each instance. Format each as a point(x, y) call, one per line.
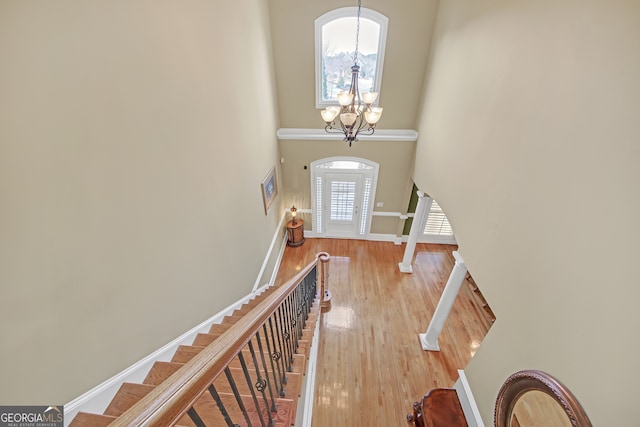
point(168, 402)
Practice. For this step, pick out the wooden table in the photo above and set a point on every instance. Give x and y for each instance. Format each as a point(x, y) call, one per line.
point(295, 232)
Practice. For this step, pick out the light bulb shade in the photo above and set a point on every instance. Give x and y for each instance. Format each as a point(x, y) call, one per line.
point(348, 119)
point(345, 98)
point(369, 97)
point(294, 211)
point(373, 115)
point(329, 114)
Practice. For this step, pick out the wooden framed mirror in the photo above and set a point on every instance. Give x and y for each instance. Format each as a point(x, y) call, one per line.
point(534, 398)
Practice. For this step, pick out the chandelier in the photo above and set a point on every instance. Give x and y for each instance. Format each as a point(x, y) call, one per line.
point(355, 114)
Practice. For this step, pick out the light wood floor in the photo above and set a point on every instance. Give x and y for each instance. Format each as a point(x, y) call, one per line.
point(371, 367)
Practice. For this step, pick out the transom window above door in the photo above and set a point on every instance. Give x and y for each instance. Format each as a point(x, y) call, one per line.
point(335, 44)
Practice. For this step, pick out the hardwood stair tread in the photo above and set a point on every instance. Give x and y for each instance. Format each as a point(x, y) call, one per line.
point(85, 419)
point(298, 365)
point(219, 328)
point(292, 388)
point(126, 397)
point(228, 321)
point(204, 339)
point(210, 414)
point(231, 320)
point(160, 371)
point(184, 353)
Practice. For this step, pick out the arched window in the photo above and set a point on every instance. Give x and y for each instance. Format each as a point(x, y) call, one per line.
point(335, 46)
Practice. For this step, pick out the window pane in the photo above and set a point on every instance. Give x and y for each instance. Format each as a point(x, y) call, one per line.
point(338, 47)
point(365, 205)
point(437, 222)
point(343, 197)
point(319, 204)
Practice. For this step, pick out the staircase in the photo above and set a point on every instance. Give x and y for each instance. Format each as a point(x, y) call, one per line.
point(247, 370)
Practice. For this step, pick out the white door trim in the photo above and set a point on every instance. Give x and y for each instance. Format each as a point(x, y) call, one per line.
point(321, 169)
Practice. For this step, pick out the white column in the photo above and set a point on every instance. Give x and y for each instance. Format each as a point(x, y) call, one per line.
point(417, 227)
point(429, 339)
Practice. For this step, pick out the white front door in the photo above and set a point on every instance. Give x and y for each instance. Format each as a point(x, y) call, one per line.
point(342, 191)
point(344, 199)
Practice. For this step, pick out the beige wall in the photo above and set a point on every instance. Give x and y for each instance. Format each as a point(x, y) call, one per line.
point(529, 139)
point(395, 159)
point(410, 27)
point(130, 207)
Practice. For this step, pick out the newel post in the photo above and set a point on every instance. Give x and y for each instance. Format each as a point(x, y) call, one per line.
point(323, 278)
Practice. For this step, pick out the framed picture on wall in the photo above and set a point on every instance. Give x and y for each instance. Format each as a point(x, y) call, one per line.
point(269, 189)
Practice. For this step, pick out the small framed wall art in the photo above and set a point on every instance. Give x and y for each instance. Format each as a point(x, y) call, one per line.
point(269, 189)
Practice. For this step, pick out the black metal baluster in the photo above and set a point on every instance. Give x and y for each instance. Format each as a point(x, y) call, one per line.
point(294, 322)
point(294, 319)
point(297, 292)
point(195, 417)
point(290, 334)
point(263, 382)
point(275, 365)
point(247, 377)
point(277, 355)
point(310, 286)
point(236, 393)
point(299, 315)
point(292, 325)
point(221, 407)
point(281, 328)
point(305, 296)
point(313, 292)
point(274, 406)
point(288, 331)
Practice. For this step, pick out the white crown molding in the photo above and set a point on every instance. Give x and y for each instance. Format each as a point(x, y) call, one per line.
point(396, 135)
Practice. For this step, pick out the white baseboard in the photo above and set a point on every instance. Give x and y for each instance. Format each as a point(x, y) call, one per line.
point(307, 397)
point(468, 403)
point(382, 237)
